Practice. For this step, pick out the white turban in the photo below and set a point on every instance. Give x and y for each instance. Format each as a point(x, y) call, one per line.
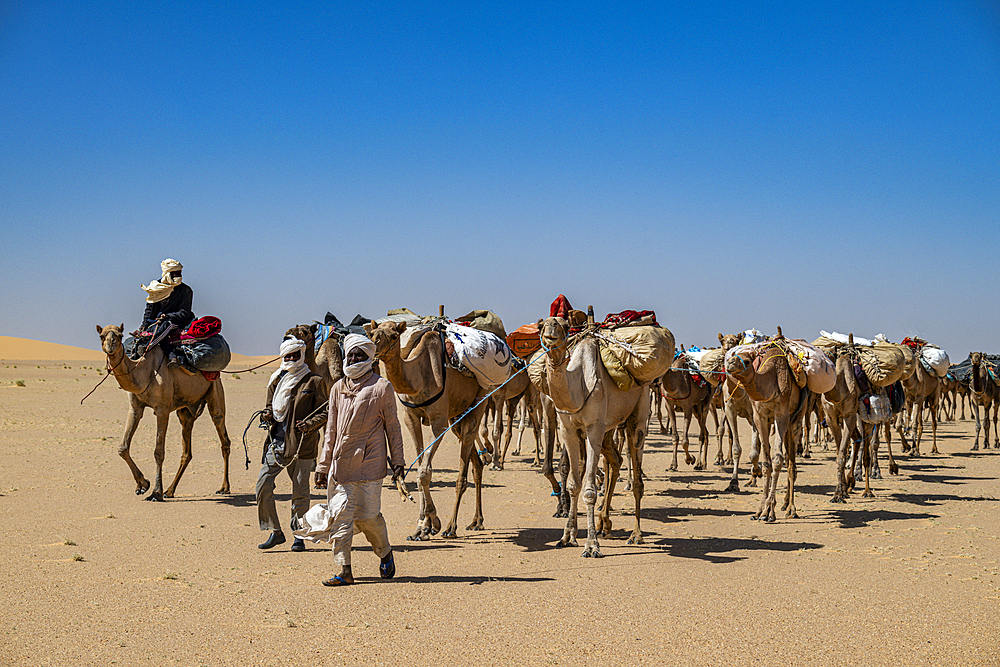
point(158, 290)
point(354, 342)
point(293, 371)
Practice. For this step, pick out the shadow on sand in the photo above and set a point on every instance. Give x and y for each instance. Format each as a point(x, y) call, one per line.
point(720, 549)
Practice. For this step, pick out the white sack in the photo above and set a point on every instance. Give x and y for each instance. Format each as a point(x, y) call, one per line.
point(483, 353)
point(821, 373)
point(937, 359)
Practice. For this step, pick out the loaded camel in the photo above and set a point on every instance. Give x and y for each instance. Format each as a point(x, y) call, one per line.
point(922, 389)
point(777, 400)
point(680, 388)
point(840, 405)
point(437, 395)
point(518, 388)
point(150, 383)
point(590, 407)
point(736, 404)
point(328, 362)
point(983, 385)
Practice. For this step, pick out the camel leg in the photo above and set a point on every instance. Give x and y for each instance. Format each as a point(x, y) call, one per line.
point(522, 423)
point(571, 448)
point(918, 428)
point(796, 433)
point(162, 417)
point(996, 433)
point(428, 522)
point(216, 399)
point(659, 411)
point(702, 440)
point(562, 510)
point(613, 463)
point(893, 467)
point(720, 427)
point(688, 459)
point(729, 419)
point(595, 438)
point(135, 410)
point(841, 436)
point(934, 423)
point(870, 435)
point(672, 419)
point(186, 418)
point(547, 419)
point(635, 436)
point(764, 434)
point(974, 409)
point(508, 429)
point(782, 428)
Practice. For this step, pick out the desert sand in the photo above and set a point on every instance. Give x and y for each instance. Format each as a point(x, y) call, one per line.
point(93, 575)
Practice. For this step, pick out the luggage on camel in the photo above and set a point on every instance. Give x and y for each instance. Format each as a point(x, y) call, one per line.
point(713, 365)
point(820, 371)
point(203, 345)
point(875, 408)
point(484, 320)
point(561, 308)
point(643, 353)
point(483, 353)
point(883, 364)
point(524, 341)
point(628, 318)
point(936, 360)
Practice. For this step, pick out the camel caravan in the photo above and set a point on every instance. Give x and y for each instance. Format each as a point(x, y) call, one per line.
point(588, 390)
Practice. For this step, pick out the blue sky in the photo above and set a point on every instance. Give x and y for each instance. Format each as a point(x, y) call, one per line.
point(729, 165)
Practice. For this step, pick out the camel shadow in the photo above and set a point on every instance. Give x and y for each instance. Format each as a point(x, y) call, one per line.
point(977, 454)
point(678, 514)
point(234, 499)
point(930, 499)
point(536, 539)
point(815, 489)
point(949, 479)
point(862, 517)
point(719, 549)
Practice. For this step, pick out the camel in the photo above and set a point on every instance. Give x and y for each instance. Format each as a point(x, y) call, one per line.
point(693, 398)
point(954, 393)
point(590, 407)
point(767, 378)
point(922, 388)
point(840, 405)
point(151, 384)
point(737, 404)
point(983, 385)
point(435, 394)
point(549, 424)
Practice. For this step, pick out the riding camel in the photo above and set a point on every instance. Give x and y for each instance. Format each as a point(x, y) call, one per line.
point(590, 407)
point(679, 387)
point(437, 395)
point(152, 384)
point(983, 385)
point(777, 400)
point(840, 405)
point(736, 403)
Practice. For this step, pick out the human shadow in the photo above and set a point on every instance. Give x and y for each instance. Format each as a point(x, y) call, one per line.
point(453, 579)
point(232, 499)
point(720, 549)
point(860, 518)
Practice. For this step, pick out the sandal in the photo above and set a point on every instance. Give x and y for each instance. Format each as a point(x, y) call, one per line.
point(387, 568)
point(337, 580)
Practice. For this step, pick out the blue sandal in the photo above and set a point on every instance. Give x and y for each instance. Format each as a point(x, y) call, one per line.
point(387, 569)
point(337, 580)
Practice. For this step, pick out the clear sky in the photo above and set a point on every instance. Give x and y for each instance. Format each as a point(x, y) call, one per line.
point(728, 165)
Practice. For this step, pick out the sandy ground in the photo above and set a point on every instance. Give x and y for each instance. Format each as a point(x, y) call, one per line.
point(90, 574)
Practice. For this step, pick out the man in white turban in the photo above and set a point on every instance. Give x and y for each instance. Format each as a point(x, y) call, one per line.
point(295, 412)
point(168, 300)
point(362, 431)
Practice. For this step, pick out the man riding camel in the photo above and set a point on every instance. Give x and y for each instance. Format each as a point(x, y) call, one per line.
point(168, 301)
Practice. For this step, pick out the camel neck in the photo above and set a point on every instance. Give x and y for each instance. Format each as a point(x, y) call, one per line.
point(566, 388)
point(123, 369)
point(400, 373)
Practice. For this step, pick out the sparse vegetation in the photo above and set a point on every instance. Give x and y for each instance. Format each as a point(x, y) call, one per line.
point(68, 542)
point(18, 383)
point(170, 576)
point(78, 558)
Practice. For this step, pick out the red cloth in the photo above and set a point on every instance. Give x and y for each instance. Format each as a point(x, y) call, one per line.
point(202, 328)
point(914, 343)
point(626, 316)
point(211, 376)
point(560, 307)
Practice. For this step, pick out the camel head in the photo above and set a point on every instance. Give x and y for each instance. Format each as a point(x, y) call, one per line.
point(304, 332)
point(740, 365)
point(553, 332)
point(386, 337)
point(111, 337)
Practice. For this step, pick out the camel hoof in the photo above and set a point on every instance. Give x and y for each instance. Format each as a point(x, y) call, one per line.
point(734, 487)
point(689, 459)
point(155, 497)
point(476, 525)
point(838, 499)
point(893, 469)
point(700, 466)
point(496, 466)
point(975, 448)
point(876, 474)
point(636, 540)
point(755, 517)
point(806, 455)
point(663, 431)
point(435, 526)
point(449, 534)
point(867, 494)
point(223, 491)
point(672, 468)
point(770, 519)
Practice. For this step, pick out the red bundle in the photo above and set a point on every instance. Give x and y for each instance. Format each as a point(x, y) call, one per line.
point(626, 316)
point(202, 328)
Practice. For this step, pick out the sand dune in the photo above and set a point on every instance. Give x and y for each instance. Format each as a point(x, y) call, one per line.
point(23, 349)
